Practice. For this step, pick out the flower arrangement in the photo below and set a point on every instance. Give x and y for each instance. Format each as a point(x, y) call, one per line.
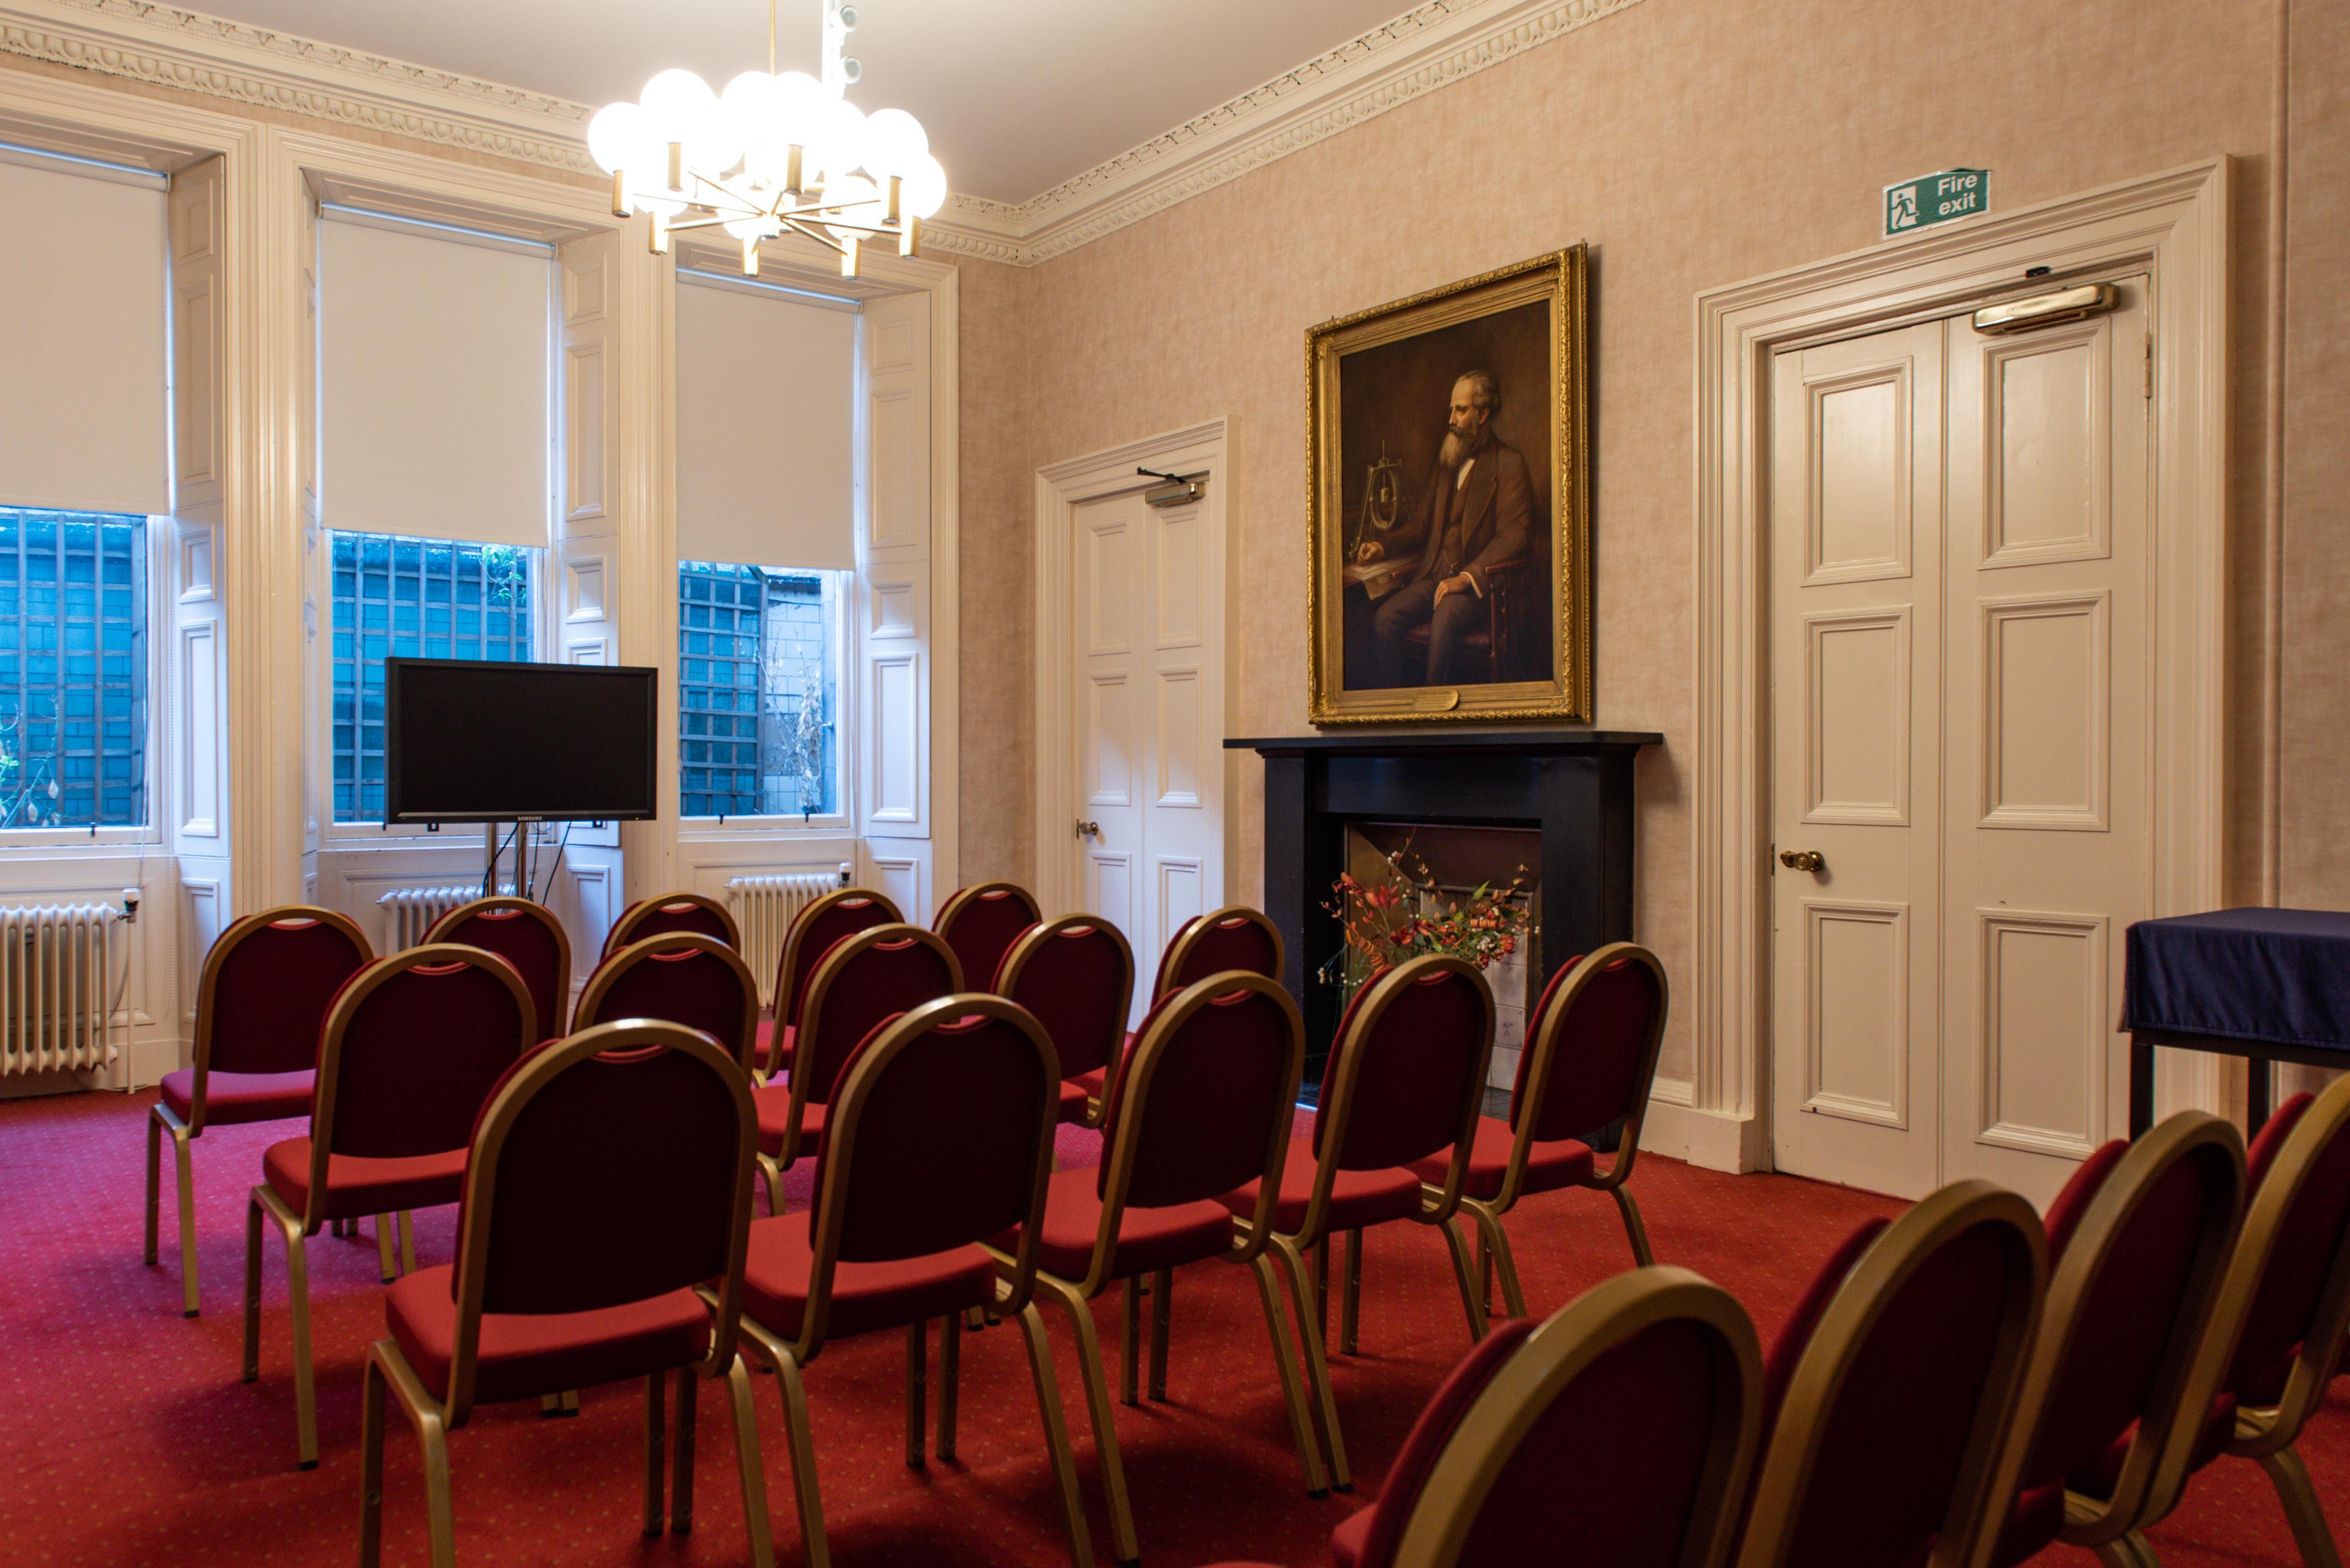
point(1399, 913)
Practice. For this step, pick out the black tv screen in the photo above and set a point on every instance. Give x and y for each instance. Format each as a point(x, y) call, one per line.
point(475, 741)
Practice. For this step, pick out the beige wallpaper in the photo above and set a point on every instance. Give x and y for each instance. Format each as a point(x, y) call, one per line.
point(1694, 143)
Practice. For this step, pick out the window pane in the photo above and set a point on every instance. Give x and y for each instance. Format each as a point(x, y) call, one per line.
point(758, 690)
point(392, 596)
point(73, 670)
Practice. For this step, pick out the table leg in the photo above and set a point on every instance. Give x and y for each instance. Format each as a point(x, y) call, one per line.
point(2260, 1090)
point(2141, 1086)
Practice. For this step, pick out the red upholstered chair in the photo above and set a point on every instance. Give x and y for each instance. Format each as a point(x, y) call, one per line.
point(672, 912)
point(681, 977)
point(813, 932)
point(266, 986)
point(941, 1138)
point(410, 1050)
point(1621, 1432)
point(609, 1182)
point(527, 936)
point(2138, 1237)
point(1202, 1106)
point(2276, 1339)
point(1403, 1082)
point(1590, 1057)
point(1235, 937)
point(1076, 975)
point(982, 922)
point(878, 973)
point(1889, 1391)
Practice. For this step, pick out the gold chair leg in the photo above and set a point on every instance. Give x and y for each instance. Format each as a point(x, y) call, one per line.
point(2131, 1550)
point(748, 1467)
point(1351, 1298)
point(1102, 1412)
point(950, 1380)
point(1317, 1368)
point(297, 1291)
point(385, 1263)
point(793, 1391)
point(183, 1169)
point(917, 1402)
point(772, 1175)
point(1484, 1270)
point(1633, 1230)
point(680, 1468)
point(653, 1455)
point(2302, 1510)
point(1469, 1306)
point(148, 1233)
point(1056, 1433)
point(371, 1465)
point(252, 1369)
point(1322, 1288)
point(1129, 1343)
point(1301, 1425)
point(386, 1362)
point(1500, 1258)
point(407, 1244)
point(1162, 1306)
point(435, 1439)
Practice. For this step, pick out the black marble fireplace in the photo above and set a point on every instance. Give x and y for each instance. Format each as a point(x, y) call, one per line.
point(1573, 786)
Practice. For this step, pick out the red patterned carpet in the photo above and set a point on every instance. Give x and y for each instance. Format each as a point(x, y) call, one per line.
point(125, 1436)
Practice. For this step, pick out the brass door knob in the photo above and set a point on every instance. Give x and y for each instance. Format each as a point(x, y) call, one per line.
point(1088, 829)
point(1802, 860)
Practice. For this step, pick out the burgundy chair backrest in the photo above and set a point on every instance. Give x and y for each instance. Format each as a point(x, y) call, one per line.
point(524, 940)
point(944, 1150)
point(864, 988)
point(1207, 1115)
point(821, 930)
point(982, 927)
point(2308, 1242)
point(272, 994)
point(663, 918)
point(616, 1183)
point(1420, 1055)
point(1594, 1076)
point(1232, 943)
point(2127, 1322)
point(417, 1058)
point(1073, 985)
point(1795, 1334)
point(689, 986)
point(1899, 1427)
point(1407, 1477)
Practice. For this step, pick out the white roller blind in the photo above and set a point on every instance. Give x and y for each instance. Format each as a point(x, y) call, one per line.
point(83, 395)
point(766, 388)
point(433, 376)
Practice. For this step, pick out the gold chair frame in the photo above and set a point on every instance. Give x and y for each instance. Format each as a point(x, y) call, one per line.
point(433, 1419)
point(623, 931)
point(1247, 1248)
point(161, 1118)
point(608, 974)
point(1438, 1204)
point(296, 1228)
point(820, 982)
point(1035, 940)
point(552, 1027)
point(1972, 1521)
point(2267, 1436)
point(1014, 1287)
point(964, 898)
point(1195, 932)
point(786, 961)
point(1555, 1355)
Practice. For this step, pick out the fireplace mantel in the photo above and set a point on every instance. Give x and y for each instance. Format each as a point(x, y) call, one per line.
point(1574, 786)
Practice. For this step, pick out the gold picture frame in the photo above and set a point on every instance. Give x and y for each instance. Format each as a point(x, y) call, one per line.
point(1425, 430)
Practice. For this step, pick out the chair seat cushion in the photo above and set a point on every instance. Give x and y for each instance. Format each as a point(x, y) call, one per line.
point(769, 1062)
point(1549, 1166)
point(358, 1186)
point(525, 1356)
point(1074, 1100)
point(1148, 1238)
point(1358, 1198)
point(2038, 1518)
point(240, 1096)
point(1346, 1541)
point(865, 1296)
point(774, 1104)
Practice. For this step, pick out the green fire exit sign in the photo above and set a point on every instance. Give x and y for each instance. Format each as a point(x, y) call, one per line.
point(1936, 199)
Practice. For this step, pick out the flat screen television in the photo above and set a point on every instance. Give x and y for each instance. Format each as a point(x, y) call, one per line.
point(479, 741)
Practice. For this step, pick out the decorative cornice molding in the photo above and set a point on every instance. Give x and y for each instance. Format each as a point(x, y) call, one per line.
point(1434, 43)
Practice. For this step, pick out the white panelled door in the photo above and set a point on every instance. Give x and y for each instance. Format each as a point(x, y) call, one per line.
point(1960, 555)
point(1142, 749)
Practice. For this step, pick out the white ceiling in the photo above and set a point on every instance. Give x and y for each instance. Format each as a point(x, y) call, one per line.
point(1017, 97)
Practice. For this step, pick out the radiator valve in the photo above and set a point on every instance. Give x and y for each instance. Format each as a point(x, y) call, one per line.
point(130, 904)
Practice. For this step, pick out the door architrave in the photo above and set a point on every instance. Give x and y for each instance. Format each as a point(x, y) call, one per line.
point(2172, 225)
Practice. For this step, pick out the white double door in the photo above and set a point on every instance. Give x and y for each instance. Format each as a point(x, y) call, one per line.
point(1146, 763)
point(1960, 568)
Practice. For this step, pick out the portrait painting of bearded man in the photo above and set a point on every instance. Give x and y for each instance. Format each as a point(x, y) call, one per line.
point(1450, 572)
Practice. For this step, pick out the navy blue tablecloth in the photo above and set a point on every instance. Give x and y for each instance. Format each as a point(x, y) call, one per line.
point(2277, 976)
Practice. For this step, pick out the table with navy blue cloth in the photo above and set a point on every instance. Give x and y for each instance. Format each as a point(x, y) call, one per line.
point(2268, 985)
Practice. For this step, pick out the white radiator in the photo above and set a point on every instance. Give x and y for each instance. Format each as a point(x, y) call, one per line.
point(412, 910)
point(764, 907)
point(57, 1011)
